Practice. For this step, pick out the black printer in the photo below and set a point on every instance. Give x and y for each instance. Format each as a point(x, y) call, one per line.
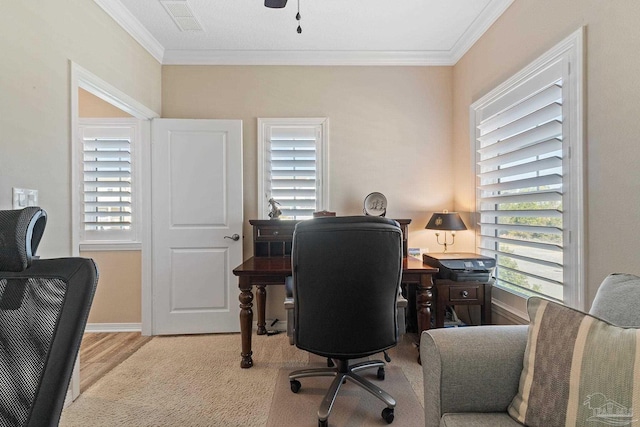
point(461, 267)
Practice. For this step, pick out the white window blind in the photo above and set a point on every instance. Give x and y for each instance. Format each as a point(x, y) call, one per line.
point(527, 201)
point(520, 192)
point(107, 182)
point(292, 165)
point(292, 171)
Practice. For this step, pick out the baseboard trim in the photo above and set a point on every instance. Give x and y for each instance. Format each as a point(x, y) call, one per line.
point(137, 327)
point(113, 327)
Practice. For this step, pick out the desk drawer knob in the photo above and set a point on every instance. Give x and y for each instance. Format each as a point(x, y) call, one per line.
point(275, 233)
point(464, 294)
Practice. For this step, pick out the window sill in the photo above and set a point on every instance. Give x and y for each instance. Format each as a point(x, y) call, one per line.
point(513, 306)
point(110, 246)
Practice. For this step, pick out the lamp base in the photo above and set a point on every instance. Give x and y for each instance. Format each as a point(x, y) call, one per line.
point(445, 244)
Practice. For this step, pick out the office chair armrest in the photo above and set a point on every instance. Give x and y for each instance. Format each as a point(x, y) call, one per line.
point(288, 306)
point(471, 369)
point(402, 302)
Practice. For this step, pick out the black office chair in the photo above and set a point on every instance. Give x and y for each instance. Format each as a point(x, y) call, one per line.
point(44, 306)
point(346, 275)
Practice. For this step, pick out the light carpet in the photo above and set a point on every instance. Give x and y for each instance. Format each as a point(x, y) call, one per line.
point(353, 407)
point(197, 381)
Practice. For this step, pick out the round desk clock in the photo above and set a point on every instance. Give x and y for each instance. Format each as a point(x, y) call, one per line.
point(375, 204)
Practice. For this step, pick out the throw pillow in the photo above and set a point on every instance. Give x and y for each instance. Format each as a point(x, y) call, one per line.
point(578, 370)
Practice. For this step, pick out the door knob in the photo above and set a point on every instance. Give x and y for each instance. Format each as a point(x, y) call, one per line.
point(235, 237)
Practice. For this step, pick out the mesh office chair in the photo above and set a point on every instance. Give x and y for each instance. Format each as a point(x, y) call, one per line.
point(346, 274)
point(44, 306)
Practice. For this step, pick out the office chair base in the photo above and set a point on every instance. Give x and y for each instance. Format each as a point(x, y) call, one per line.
point(341, 373)
point(330, 363)
point(388, 415)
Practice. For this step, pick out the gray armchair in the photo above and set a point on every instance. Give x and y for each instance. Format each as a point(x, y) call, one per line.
point(472, 374)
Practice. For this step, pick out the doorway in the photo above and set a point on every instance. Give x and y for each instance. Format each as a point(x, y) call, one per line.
point(92, 96)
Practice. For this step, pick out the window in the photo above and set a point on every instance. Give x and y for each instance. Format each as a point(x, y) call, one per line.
point(108, 180)
point(528, 151)
point(292, 161)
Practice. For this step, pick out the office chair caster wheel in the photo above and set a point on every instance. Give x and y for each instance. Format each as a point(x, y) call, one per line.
point(295, 385)
point(380, 373)
point(324, 423)
point(330, 363)
point(387, 414)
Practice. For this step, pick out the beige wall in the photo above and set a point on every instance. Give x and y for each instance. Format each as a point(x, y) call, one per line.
point(390, 131)
point(37, 41)
point(118, 298)
point(525, 31)
point(90, 106)
point(403, 131)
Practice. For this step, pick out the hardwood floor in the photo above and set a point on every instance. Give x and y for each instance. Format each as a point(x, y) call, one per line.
point(100, 352)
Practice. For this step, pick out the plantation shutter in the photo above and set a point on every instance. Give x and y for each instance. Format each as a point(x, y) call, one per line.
point(107, 180)
point(519, 143)
point(292, 162)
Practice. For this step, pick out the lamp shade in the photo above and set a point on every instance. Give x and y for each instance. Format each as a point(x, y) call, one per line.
point(448, 221)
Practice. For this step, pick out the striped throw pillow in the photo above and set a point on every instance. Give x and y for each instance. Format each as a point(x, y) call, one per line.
point(578, 370)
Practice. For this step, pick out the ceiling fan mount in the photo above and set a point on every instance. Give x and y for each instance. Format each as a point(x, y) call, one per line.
point(275, 4)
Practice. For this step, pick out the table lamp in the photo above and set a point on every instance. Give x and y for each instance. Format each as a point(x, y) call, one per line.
point(446, 221)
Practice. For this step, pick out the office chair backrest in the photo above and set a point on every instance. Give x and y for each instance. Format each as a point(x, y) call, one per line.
point(44, 306)
point(20, 235)
point(346, 273)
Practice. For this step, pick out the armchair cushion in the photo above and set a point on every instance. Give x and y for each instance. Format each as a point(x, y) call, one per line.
point(618, 299)
point(471, 370)
point(577, 369)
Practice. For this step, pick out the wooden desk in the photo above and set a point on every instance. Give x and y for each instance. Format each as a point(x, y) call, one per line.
point(264, 271)
point(273, 237)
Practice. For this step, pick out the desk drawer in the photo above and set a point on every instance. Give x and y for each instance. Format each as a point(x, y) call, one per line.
point(272, 237)
point(466, 293)
point(279, 233)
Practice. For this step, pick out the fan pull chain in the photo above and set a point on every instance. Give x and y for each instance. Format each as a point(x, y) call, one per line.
point(298, 17)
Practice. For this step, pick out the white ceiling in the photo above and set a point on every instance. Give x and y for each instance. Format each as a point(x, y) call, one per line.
point(334, 32)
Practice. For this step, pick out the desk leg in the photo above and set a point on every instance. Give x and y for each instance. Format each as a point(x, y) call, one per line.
point(261, 301)
point(442, 295)
point(424, 303)
point(246, 319)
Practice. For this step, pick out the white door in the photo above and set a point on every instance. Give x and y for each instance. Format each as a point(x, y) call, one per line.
point(196, 209)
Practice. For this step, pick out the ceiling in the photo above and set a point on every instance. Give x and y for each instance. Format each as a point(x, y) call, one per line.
point(334, 32)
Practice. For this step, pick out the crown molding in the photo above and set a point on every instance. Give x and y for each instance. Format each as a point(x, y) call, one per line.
point(131, 25)
point(278, 57)
point(482, 23)
point(305, 57)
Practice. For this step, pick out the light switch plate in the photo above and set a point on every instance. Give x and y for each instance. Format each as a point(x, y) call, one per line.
point(23, 197)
